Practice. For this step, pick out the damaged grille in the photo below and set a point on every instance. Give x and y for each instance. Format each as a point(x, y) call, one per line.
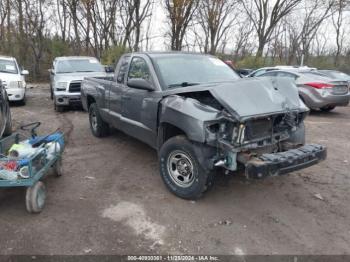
point(270, 129)
point(258, 128)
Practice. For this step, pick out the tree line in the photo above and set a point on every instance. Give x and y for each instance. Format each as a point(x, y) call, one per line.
point(252, 32)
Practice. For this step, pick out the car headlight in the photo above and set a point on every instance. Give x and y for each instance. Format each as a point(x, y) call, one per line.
point(16, 84)
point(61, 86)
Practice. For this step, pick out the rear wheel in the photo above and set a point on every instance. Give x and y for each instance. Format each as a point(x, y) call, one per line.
point(327, 108)
point(99, 128)
point(180, 169)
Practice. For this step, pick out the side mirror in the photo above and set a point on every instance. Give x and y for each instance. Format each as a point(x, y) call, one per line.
point(24, 72)
point(109, 69)
point(140, 83)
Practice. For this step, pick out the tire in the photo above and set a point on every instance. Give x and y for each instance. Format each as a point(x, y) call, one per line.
point(327, 108)
point(99, 128)
point(8, 127)
point(23, 101)
point(36, 197)
point(180, 169)
point(57, 167)
point(59, 109)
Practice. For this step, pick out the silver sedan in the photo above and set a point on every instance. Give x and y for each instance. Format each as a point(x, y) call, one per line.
point(315, 89)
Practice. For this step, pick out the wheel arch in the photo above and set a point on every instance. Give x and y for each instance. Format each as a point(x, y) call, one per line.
point(89, 100)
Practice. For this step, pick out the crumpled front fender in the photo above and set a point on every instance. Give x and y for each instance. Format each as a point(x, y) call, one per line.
point(187, 114)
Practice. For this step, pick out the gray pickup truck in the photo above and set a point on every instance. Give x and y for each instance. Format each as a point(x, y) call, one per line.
point(201, 116)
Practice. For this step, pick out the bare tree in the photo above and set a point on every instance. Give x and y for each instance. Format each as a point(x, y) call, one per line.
point(265, 16)
point(304, 27)
point(243, 36)
point(34, 21)
point(73, 12)
point(180, 13)
point(141, 13)
point(216, 18)
point(62, 14)
point(338, 24)
point(3, 16)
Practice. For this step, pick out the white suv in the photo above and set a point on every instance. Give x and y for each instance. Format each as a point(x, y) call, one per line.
point(13, 79)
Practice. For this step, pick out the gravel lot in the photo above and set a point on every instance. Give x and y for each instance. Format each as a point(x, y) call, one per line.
point(111, 199)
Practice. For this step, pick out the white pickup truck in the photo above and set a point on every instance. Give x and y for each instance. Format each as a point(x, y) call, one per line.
point(13, 79)
point(66, 76)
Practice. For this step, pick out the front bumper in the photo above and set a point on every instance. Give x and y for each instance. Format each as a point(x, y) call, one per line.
point(67, 98)
point(285, 162)
point(15, 94)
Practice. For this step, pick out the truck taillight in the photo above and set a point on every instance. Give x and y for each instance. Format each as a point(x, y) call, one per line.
point(320, 85)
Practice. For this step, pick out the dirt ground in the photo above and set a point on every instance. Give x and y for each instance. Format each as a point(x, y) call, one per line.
point(111, 199)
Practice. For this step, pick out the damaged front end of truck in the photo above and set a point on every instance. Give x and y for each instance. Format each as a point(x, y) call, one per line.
point(256, 123)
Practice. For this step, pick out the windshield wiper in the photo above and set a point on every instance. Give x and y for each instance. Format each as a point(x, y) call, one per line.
point(183, 84)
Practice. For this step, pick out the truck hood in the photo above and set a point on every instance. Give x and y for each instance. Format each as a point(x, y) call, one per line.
point(252, 97)
point(77, 76)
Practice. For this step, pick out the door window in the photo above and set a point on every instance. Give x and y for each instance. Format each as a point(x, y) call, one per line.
point(139, 69)
point(270, 74)
point(123, 67)
point(286, 74)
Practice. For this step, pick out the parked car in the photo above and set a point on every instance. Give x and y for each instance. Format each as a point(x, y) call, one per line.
point(200, 115)
point(336, 74)
point(315, 89)
point(13, 79)
point(5, 113)
point(66, 75)
point(263, 70)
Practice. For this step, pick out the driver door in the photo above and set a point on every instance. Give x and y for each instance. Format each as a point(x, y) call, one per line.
point(135, 103)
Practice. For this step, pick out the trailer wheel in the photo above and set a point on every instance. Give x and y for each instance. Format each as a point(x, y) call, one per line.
point(35, 197)
point(57, 167)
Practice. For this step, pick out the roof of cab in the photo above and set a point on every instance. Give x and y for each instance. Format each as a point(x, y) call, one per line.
point(161, 53)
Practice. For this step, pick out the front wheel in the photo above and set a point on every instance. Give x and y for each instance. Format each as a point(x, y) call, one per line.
point(23, 101)
point(99, 128)
point(57, 167)
point(180, 169)
point(35, 197)
point(58, 108)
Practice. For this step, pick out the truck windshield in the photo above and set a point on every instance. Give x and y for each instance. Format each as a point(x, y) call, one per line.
point(78, 65)
point(186, 70)
point(8, 66)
